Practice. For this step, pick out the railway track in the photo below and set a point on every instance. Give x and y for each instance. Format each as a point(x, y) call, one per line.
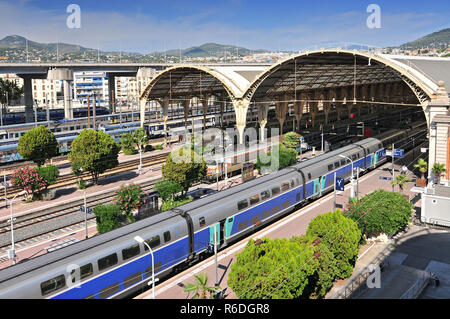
point(29, 227)
point(71, 179)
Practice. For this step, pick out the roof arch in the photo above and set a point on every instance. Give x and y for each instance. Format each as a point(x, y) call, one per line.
point(321, 69)
point(191, 80)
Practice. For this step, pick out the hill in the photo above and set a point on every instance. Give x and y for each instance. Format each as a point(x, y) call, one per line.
point(19, 42)
point(439, 39)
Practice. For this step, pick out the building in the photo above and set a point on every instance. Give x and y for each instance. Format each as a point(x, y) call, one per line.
point(90, 84)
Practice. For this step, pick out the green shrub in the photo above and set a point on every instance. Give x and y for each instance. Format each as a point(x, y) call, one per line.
point(341, 235)
point(286, 157)
point(49, 173)
point(168, 189)
point(380, 212)
point(172, 203)
point(127, 144)
point(159, 147)
point(108, 217)
point(275, 269)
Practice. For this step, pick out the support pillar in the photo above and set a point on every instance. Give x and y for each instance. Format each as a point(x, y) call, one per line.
point(263, 111)
point(165, 108)
point(240, 109)
point(205, 107)
point(111, 92)
point(298, 112)
point(281, 110)
point(68, 109)
point(28, 92)
point(142, 104)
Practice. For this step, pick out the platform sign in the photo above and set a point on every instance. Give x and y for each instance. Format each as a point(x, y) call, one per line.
point(89, 210)
point(385, 178)
point(340, 184)
point(399, 153)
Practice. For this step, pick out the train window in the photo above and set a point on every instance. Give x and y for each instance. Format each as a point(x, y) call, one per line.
point(309, 176)
point(107, 262)
point(266, 214)
point(148, 270)
point(202, 221)
point(255, 220)
point(286, 204)
point(130, 280)
point(85, 271)
point(284, 186)
point(53, 285)
point(108, 291)
point(336, 165)
point(380, 146)
point(243, 225)
point(276, 209)
point(353, 157)
point(298, 197)
point(242, 204)
point(265, 195)
point(330, 167)
point(292, 183)
point(132, 251)
point(152, 242)
point(343, 162)
point(167, 236)
point(298, 181)
point(254, 199)
point(275, 191)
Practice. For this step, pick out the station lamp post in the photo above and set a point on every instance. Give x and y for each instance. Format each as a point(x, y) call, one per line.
point(12, 252)
point(352, 189)
point(140, 240)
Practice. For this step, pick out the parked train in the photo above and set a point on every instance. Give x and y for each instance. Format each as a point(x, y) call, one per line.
point(114, 265)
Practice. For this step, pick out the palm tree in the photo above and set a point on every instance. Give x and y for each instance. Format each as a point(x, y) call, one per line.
point(422, 165)
point(401, 181)
point(437, 170)
point(200, 287)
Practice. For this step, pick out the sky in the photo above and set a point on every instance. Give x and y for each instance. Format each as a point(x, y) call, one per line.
point(146, 26)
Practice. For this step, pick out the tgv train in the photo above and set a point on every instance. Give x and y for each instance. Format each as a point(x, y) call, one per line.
point(114, 265)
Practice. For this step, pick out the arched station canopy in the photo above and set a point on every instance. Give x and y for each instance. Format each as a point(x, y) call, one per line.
point(191, 80)
point(336, 68)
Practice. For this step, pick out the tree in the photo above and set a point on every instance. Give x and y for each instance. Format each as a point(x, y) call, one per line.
point(401, 181)
point(108, 217)
point(276, 269)
point(380, 212)
point(38, 145)
point(341, 235)
point(291, 140)
point(168, 189)
point(200, 287)
point(184, 167)
point(28, 179)
point(286, 157)
point(94, 152)
point(422, 165)
point(128, 198)
point(9, 91)
point(437, 170)
point(49, 173)
point(127, 144)
point(140, 138)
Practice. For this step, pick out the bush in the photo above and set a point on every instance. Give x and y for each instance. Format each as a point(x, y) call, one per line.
point(380, 212)
point(49, 173)
point(172, 203)
point(168, 189)
point(108, 217)
point(159, 147)
point(127, 144)
point(341, 235)
point(128, 198)
point(28, 179)
point(148, 148)
point(286, 157)
point(276, 269)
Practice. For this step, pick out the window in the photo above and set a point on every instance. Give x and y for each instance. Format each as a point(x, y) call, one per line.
point(265, 195)
point(276, 209)
point(336, 165)
point(53, 285)
point(292, 183)
point(131, 252)
point(148, 270)
point(85, 271)
point(266, 214)
point(107, 262)
point(243, 225)
point(108, 291)
point(130, 280)
point(152, 242)
point(285, 186)
point(309, 176)
point(202, 221)
point(353, 157)
point(343, 162)
point(275, 191)
point(380, 146)
point(298, 181)
point(298, 197)
point(167, 236)
point(242, 204)
point(255, 220)
point(254, 199)
point(286, 204)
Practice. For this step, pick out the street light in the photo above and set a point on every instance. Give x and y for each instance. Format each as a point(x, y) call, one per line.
point(140, 240)
point(352, 189)
point(12, 253)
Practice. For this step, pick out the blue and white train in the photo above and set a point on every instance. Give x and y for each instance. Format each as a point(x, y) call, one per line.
point(114, 265)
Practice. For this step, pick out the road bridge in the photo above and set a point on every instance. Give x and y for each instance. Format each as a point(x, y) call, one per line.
point(325, 82)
